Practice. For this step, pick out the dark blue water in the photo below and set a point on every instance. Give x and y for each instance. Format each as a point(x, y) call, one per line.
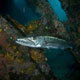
point(60, 62)
point(20, 10)
point(56, 5)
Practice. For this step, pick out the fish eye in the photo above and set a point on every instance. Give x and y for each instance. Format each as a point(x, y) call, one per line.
point(19, 40)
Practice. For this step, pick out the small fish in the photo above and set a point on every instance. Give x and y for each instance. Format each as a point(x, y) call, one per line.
point(44, 42)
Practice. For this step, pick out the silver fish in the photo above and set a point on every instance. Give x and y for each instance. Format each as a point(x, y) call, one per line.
point(44, 42)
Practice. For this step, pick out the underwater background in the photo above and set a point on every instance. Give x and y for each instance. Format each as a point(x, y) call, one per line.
point(59, 61)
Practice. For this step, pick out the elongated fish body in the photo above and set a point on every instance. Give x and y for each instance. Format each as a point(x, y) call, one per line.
point(44, 42)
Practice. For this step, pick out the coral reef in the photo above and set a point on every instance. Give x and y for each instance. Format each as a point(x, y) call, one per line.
point(18, 62)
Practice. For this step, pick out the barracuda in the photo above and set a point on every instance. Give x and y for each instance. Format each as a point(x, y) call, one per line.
point(44, 42)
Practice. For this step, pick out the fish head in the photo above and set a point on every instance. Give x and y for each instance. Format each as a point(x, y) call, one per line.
point(29, 42)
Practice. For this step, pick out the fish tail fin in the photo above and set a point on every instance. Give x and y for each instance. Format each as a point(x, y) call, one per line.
point(73, 47)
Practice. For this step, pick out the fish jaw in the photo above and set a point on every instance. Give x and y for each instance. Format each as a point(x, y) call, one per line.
point(29, 42)
point(25, 42)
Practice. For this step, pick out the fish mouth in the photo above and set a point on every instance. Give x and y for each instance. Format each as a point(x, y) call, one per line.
point(28, 42)
point(25, 42)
